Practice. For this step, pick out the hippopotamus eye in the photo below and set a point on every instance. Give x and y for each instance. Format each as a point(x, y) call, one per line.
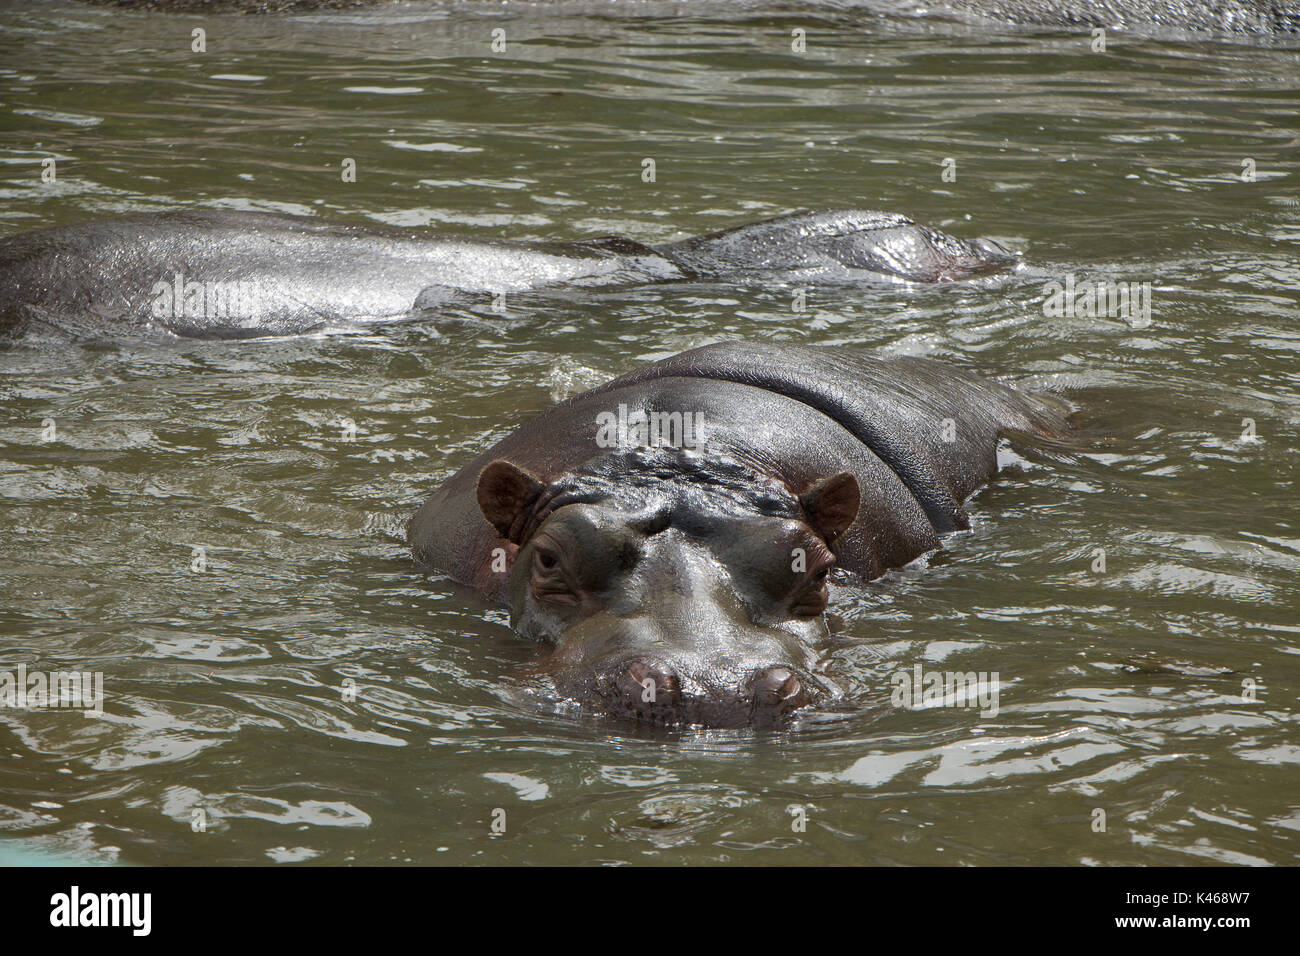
point(812, 597)
point(549, 582)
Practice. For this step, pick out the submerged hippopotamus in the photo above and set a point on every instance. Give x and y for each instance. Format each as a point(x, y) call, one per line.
point(670, 535)
point(226, 274)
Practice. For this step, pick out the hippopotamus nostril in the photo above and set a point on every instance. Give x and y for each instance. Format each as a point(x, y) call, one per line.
point(778, 688)
point(649, 685)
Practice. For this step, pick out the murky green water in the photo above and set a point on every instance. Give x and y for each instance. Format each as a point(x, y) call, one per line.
point(223, 685)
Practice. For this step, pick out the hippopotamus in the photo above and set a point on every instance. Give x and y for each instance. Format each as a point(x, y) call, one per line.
point(669, 536)
point(213, 273)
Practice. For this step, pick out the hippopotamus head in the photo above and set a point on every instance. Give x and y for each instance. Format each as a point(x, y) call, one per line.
point(674, 588)
point(897, 246)
point(859, 240)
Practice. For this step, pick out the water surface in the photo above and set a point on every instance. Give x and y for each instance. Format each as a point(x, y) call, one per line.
point(224, 685)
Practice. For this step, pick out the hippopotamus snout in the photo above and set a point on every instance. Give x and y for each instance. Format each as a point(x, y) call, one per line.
point(655, 693)
point(680, 671)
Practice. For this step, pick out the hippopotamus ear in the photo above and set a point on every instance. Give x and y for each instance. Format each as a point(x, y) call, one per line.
point(506, 493)
point(831, 505)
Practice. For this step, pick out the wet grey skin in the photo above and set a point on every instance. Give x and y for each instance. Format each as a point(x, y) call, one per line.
point(687, 584)
point(229, 274)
